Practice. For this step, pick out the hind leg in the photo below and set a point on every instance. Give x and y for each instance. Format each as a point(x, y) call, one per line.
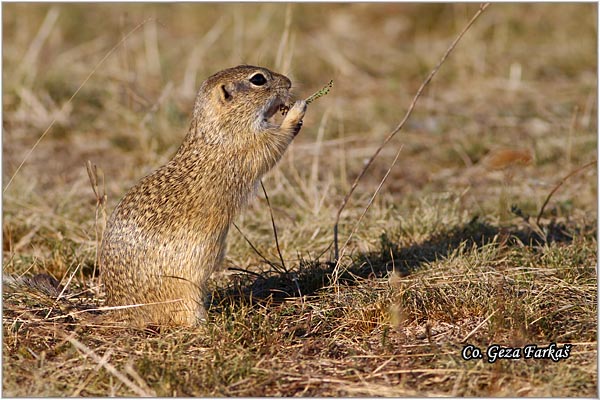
point(181, 304)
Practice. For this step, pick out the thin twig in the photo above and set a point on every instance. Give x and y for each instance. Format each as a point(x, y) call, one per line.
point(103, 362)
point(245, 271)
point(274, 227)
point(387, 173)
point(273, 265)
point(478, 326)
point(570, 174)
point(115, 47)
point(401, 124)
point(101, 198)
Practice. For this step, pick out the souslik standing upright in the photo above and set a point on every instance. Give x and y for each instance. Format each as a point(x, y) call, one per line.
point(167, 235)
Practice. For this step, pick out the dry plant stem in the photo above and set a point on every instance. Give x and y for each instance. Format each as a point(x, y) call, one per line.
point(245, 271)
point(110, 52)
point(61, 294)
point(72, 314)
point(103, 362)
point(336, 270)
point(274, 227)
point(92, 171)
point(273, 265)
point(284, 37)
point(140, 381)
point(478, 326)
point(36, 44)
point(563, 180)
point(400, 125)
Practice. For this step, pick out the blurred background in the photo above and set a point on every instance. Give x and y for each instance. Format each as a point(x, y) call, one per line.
point(512, 110)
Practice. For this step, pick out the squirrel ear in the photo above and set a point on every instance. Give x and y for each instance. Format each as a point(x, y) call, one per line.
point(226, 92)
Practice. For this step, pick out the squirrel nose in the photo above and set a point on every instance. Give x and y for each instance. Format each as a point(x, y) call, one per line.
point(287, 82)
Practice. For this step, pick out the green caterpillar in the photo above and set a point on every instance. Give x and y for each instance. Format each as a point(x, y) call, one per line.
point(284, 109)
point(320, 93)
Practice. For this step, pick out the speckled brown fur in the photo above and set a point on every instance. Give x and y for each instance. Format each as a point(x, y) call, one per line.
point(167, 235)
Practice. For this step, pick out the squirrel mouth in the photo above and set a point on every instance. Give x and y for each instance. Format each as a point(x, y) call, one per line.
point(271, 116)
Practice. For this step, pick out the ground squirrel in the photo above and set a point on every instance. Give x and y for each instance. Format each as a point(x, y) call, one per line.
point(167, 235)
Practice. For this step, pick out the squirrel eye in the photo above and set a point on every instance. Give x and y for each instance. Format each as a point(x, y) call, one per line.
point(258, 79)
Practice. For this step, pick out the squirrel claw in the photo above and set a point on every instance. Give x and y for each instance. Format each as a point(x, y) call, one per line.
point(297, 128)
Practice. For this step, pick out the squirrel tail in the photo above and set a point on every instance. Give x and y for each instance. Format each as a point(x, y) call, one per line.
point(43, 283)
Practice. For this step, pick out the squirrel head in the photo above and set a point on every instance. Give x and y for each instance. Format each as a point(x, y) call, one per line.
point(240, 101)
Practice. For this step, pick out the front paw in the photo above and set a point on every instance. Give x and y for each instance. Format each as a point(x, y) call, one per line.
point(293, 118)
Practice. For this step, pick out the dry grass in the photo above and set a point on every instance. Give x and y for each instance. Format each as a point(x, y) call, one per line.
point(449, 253)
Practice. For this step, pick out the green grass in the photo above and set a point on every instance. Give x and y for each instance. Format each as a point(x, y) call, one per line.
point(448, 254)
